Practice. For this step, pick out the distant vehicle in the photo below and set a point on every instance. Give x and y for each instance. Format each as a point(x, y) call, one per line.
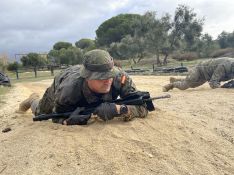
point(4, 80)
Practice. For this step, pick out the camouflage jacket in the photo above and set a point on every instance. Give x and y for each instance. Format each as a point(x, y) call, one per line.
point(216, 70)
point(71, 91)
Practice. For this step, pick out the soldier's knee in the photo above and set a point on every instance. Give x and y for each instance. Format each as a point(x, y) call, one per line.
point(183, 85)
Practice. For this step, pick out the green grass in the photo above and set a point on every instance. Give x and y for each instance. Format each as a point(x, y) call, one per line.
point(30, 76)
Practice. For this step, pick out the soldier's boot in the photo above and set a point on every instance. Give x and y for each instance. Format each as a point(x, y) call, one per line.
point(26, 104)
point(168, 87)
point(172, 79)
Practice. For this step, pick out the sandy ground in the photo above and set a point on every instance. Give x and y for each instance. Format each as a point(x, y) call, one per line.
point(191, 133)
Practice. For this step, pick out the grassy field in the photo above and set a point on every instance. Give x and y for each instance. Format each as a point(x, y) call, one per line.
point(30, 76)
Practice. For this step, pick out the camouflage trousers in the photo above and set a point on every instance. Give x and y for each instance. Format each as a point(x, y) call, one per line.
point(192, 80)
point(44, 105)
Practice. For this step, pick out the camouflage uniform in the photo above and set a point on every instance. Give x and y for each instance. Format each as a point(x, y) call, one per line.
point(214, 71)
point(69, 89)
point(4, 80)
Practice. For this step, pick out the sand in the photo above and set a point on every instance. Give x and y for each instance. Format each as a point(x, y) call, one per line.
point(190, 133)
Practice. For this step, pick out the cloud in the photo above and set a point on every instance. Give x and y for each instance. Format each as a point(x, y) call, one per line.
point(35, 25)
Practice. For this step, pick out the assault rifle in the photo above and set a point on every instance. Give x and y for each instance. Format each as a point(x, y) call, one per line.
point(229, 84)
point(136, 98)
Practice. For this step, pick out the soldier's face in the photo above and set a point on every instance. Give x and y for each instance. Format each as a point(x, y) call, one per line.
point(100, 86)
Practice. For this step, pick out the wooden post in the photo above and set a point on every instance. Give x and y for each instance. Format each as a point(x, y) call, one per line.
point(35, 72)
point(17, 74)
point(52, 70)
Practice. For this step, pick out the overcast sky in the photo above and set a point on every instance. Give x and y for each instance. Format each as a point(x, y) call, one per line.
point(35, 25)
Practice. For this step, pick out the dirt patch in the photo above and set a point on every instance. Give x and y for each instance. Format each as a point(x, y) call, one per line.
point(191, 133)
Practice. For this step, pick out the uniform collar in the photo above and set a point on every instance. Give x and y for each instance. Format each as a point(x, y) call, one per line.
point(92, 97)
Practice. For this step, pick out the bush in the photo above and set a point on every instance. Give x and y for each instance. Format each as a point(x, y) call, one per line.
point(86, 44)
point(189, 56)
point(12, 66)
point(223, 52)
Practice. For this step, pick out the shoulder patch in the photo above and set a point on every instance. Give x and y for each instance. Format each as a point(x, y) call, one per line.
point(123, 79)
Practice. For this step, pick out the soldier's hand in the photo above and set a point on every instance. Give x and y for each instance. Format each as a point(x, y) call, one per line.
point(106, 111)
point(58, 120)
point(229, 84)
point(76, 118)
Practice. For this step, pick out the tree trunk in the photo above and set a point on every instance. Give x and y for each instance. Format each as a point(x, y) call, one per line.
point(140, 58)
point(134, 61)
point(165, 59)
point(158, 60)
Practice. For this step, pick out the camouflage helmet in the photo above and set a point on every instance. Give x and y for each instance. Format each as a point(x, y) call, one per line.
point(97, 65)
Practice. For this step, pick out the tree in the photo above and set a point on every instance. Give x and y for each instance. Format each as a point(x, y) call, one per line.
point(231, 39)
point(157, 35)
point(76, 55)
point(129, 48)
point(12, 66)
point(185, 27)
point(226, 39)
point(150, 35)
point(154, 33)
point(33, 59)
point(69, 56)
point(62, 45)
point(115, 29)
point(86, 44)
point(53, 57)
point(205, 45)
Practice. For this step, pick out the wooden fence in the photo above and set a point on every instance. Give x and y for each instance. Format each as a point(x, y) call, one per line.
point(36, 71)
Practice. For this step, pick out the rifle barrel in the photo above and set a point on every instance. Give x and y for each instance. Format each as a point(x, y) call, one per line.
point(161, 97)
point(90, 110)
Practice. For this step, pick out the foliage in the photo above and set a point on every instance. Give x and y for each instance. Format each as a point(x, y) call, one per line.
point(115, 29)
point(34, 60)
point(12, 66)
point(129, 47)
point(150, 36)
point(185, 27)
point(226, 39)
point(69, 56)
point(156, 36)
point(161, 36)
point(86, 44)
point(53, 57)
point(205, 46)
point(62, 45)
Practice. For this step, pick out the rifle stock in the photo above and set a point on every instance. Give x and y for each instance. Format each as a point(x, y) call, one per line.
point(137, 98)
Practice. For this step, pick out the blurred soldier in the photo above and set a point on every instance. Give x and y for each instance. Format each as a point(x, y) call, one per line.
point(77, 87)
point(4, 80)
point(214, 71)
